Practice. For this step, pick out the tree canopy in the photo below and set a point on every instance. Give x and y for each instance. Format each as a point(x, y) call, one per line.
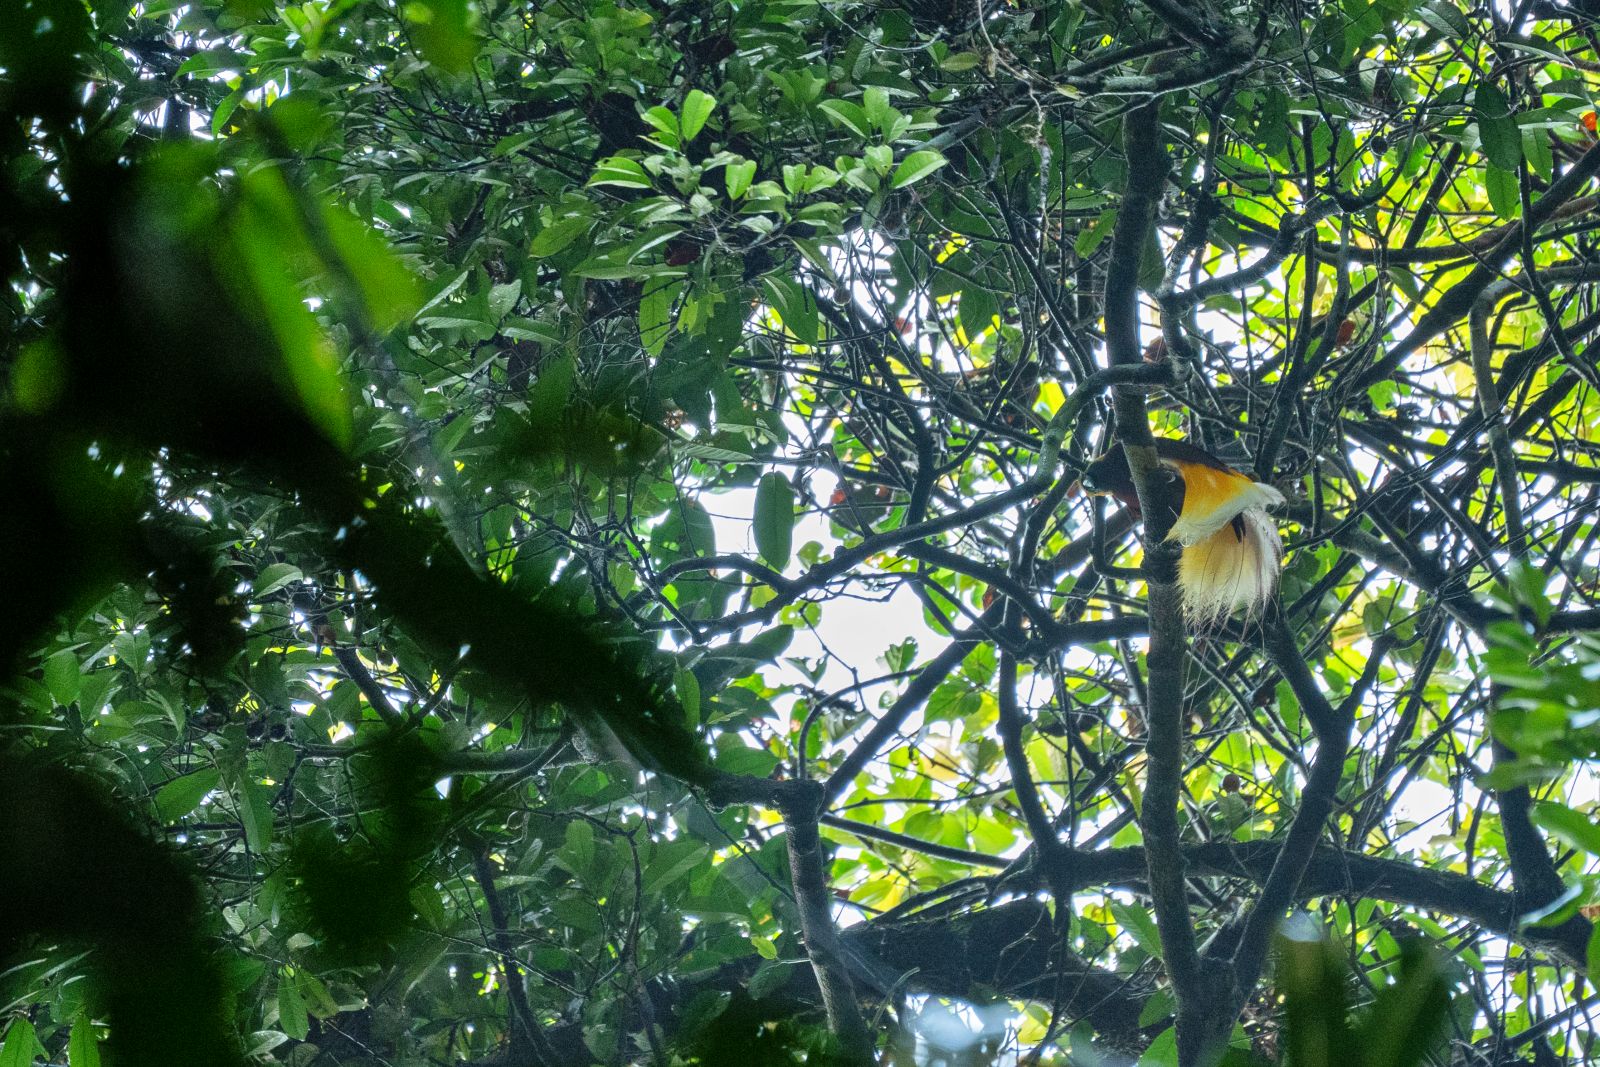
point(549, 534)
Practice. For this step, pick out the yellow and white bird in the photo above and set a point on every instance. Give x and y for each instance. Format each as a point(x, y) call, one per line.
point(1231, 549)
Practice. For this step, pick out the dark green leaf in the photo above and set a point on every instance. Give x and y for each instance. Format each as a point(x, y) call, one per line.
point(273, 577)
point(255, 812)
point(62, 677)
point(1497, 129)
point(1503, 192)
point(446, 30)
point(774, 519)
point(559, 234)
point(182, 795)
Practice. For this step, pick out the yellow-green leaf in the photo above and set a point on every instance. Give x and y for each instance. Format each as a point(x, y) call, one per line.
point(738, 176)
point(620, 171)
point(20, 1045)
point(915, 167)
point(697, 107)
point(83, 1047)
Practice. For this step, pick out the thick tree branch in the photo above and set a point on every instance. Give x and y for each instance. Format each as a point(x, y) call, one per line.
point(1147, 174)
point(350, 662)
point(800, 803)
point(1336, 872)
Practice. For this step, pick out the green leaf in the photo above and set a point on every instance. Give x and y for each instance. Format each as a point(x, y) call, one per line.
point(1526, 586)
point(559, 235)
point(269, 236)
point(738, 177)
point(212, 61)
point(764, 947)
point(1536, 150)
point(83, 1047)
point(319, 1001)
point(1095, 234)
point(795, 306)
point(274, 577)
point(292, 1017)
point(655, 314)
point(1497, 129)
point(1504, 193)
point(620, 171)
point(579, 849)
point(63, 677)
point(1406, 1021)
point(697, 107)
point(674, 860)
point(1556, 911)
point(699, 534)
point(774, 519)
point(547, 400)
point(1445, 17)
point(445, 31)
point(521, 329)
point(704, 1008)
point(1136, 920)
point(225, 109)
point(666, 124)
point(255, 811)
point(448, 286)
point(770, 977)
point(389, 293)
point(1578, 830)
point(766, 646)
point(1162, 1052)
point(711, 453)
point(182, 795)
point(687, 687)
point(260, 1042)
point(977, 309)
point(915, 167)
point(20, 1044)
point(1158, 1008)
point(1312, 976)
point(849, 115)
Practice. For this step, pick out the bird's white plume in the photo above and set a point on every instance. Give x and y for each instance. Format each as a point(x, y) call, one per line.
point(1232, 570)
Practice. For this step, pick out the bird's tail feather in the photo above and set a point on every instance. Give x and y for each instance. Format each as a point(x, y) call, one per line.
point(1235, 568)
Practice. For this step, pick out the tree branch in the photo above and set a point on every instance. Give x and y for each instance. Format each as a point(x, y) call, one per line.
point(1147, 174)
point(800, 803)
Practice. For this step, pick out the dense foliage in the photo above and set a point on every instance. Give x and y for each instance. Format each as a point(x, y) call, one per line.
point(546, 534)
